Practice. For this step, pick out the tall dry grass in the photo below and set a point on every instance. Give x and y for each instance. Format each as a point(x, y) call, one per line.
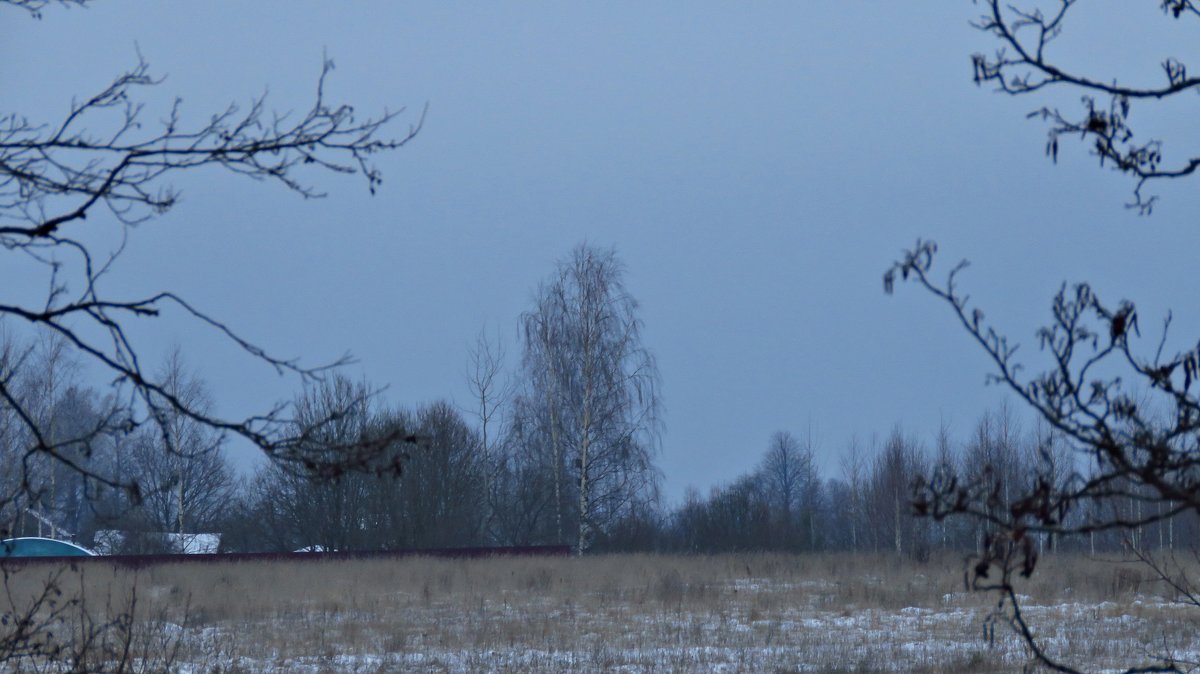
point(644, 613)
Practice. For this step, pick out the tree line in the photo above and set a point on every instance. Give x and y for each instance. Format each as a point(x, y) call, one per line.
point(868, 505)
point(559, 451)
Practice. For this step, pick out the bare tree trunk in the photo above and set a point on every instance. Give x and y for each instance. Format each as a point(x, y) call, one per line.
point(1160, 525)
point(1171, 533)
point(899, 547)
point(552, 391)
point(812, 529)
point(54, 356)
point(179, 501)
point(854, 517)
point(486, 363)
point(556, 450)
point(174, 382)
point(584, 505)
point(585, 435)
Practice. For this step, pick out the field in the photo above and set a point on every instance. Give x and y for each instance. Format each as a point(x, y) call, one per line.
point(620, 613)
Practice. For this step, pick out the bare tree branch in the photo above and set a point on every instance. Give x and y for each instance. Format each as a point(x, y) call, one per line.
point(1132, 419)
point(35, 7)
point(1022, 65)
point(104, 163)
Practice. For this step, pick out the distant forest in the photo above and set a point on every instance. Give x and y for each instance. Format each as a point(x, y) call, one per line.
point(458, 490)
point(558, 449)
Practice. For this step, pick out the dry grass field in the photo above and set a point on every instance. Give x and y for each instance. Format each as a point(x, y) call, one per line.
point(621, 613)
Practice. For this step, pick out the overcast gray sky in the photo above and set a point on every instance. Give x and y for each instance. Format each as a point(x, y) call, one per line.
point(756, 165)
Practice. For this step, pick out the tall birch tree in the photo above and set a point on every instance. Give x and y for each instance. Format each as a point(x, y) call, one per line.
point(586, 364)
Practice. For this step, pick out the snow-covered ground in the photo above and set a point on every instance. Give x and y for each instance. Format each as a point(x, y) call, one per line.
point(676, 615)
point(562, 639)
point(639, 613)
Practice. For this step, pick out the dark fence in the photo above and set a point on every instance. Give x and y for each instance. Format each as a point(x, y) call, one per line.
point(142, 561)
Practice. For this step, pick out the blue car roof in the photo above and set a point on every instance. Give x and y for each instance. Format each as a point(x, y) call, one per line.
point(41, 547)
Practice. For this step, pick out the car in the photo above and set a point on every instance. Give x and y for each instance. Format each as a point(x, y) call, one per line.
point(33, 546)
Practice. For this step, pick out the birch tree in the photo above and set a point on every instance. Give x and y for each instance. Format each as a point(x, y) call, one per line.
point(489, 395)
point(853, 465)
point(178, 462)
point(586, 364)
point(790, 479)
